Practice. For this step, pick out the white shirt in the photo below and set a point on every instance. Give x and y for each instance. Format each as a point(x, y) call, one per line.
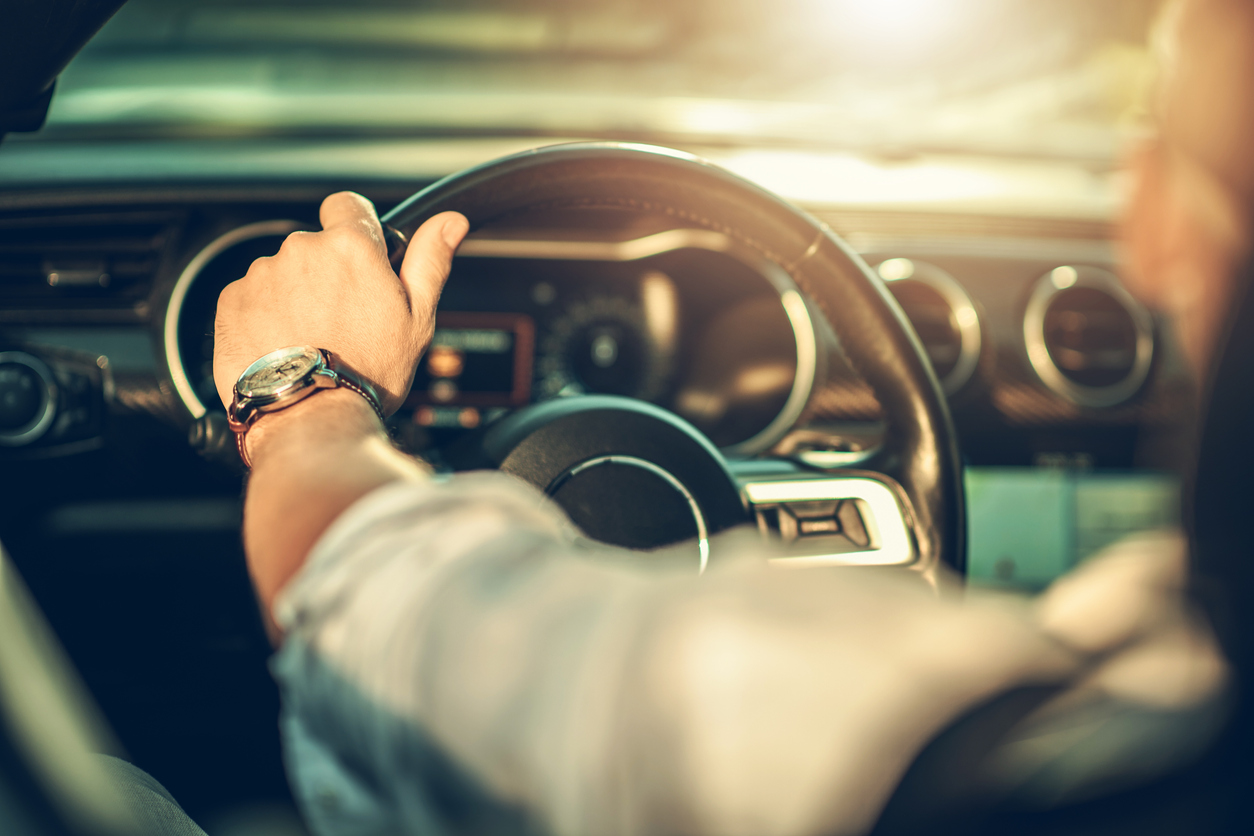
point(458, 659)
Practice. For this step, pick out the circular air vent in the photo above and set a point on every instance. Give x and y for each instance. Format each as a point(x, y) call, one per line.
point(942, 314)
point(1086, 337)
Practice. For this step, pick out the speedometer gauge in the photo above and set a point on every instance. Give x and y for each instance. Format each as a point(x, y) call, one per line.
point(602, 345)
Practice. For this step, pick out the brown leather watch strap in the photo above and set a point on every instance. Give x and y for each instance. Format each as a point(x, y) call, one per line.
point(346, 378)
point(349, 379)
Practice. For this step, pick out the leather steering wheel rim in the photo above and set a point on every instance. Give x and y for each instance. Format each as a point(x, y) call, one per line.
point(920, 445)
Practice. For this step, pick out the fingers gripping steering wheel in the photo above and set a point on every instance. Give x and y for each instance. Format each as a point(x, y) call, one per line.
point(581, 450)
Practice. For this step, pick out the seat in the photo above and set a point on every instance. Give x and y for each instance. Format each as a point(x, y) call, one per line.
point(60, 770)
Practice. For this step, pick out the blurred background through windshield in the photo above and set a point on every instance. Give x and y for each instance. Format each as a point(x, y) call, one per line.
point(1007, 77)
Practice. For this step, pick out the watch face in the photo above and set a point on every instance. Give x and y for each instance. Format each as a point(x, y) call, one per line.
point(278, 370)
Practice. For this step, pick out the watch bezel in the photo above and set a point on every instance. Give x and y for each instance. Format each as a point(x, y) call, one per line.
point(298, 379)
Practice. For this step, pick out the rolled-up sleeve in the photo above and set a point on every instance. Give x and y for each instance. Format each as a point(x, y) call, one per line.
point(458, 659)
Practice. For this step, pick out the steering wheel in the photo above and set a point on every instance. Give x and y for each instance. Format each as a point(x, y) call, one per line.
point(598, 456)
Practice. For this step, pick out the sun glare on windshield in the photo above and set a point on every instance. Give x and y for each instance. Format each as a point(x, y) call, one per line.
point(1005, 77)
point(899, 23)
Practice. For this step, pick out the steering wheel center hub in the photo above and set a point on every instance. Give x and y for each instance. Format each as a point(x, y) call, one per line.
point(627, 472)
point(632, 502)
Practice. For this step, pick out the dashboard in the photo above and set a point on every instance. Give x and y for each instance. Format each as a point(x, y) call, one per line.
point(1054, 374)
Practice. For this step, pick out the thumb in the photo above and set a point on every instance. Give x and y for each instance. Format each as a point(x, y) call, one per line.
point(429, 257)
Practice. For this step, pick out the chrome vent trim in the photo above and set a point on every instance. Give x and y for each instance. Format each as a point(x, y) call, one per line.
point(1064, 278)
point(961, 307)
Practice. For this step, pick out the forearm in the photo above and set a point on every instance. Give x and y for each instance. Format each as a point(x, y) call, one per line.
point(463, 617)
point(310, 463)
point(336, 291)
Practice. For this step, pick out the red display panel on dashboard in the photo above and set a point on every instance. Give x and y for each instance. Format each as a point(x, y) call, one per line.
point(476, 359)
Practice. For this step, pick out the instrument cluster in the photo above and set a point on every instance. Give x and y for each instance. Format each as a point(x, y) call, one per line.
point(673, 319)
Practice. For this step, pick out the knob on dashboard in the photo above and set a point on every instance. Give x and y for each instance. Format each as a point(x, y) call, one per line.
point(28, 398)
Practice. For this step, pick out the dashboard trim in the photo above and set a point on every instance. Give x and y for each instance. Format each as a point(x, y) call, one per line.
point(174, 360)
point(630, 250)
point(961, 305)
point(1049, 286)
point(1055, 251)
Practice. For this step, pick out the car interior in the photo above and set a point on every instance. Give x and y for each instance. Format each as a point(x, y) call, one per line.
point(919, 356)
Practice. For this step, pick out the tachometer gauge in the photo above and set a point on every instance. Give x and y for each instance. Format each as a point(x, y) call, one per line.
point(602, 346)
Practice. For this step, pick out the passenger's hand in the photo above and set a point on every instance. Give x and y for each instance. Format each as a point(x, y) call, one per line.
point(1129, 609)
point(334, 289)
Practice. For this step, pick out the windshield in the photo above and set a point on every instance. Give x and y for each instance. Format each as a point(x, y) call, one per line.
point(1015, 77)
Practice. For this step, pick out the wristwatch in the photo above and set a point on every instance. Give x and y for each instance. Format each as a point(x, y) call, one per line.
point(284, 377)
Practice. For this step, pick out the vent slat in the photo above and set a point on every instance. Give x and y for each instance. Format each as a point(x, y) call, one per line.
point(89, 246)
point(113, 258)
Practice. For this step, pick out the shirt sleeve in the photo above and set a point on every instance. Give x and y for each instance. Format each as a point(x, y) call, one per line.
point(457, 658)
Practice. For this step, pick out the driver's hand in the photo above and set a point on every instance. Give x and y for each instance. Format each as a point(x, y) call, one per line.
point(334, 289)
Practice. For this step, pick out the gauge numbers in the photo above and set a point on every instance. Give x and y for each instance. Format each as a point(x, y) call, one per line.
point(602, 345)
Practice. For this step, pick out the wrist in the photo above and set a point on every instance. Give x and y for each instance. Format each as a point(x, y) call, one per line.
point(284, 377)
point(328, 417)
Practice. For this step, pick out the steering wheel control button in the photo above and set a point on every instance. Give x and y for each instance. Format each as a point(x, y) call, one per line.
point(794, 521)
point(28, 398)
point(854, 521)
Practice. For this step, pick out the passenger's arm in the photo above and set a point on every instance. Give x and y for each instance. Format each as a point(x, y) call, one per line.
point(332, 289)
